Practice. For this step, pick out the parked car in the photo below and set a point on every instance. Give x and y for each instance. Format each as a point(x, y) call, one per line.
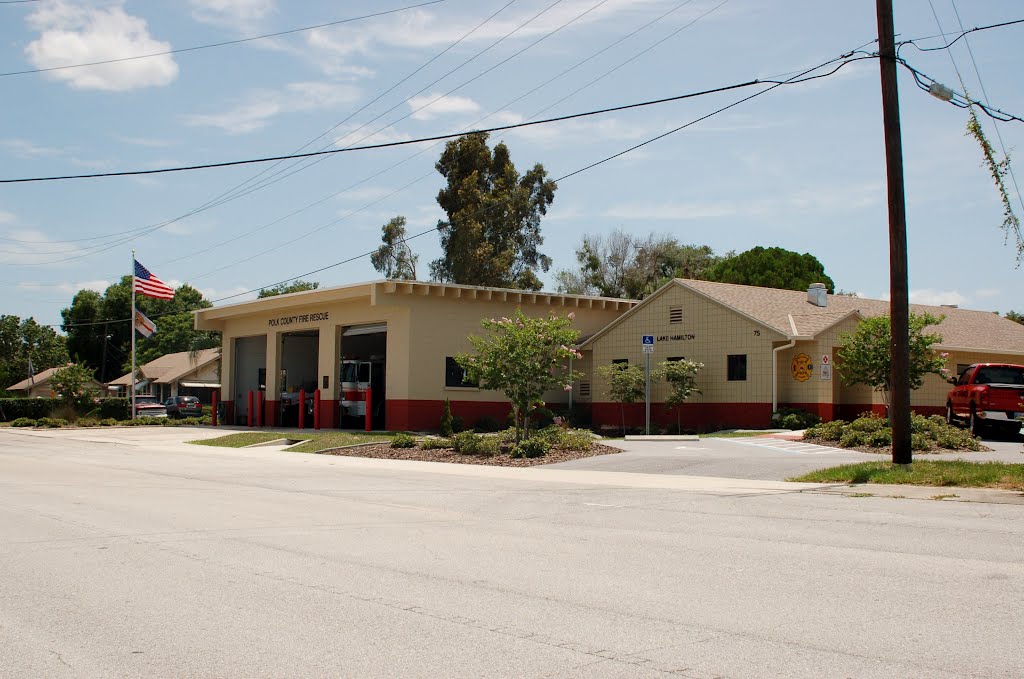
point(149, 406)
point(988, 394)
point(183, 406)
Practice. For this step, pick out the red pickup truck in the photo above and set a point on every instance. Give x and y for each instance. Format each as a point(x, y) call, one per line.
point(988, 394)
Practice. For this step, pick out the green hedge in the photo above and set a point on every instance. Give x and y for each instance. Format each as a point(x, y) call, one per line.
point(33, 408)
point(114, 408)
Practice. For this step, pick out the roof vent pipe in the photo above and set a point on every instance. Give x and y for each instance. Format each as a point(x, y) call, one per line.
point(817, 294)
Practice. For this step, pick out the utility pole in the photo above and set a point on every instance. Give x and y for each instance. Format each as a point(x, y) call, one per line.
point(899, 300)
point(103, 368)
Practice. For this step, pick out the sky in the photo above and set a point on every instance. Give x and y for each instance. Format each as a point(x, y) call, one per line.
point(801, 167)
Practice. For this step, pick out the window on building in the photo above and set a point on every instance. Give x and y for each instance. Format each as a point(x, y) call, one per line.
point(675, 314)
point(617, 361)
point(737, 367)
point(676, 358)
point(455, 374)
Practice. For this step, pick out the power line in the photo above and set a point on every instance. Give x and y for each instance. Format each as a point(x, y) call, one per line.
point(383, 145)
point(958, 37)
point(222, 43)
point(925, 82)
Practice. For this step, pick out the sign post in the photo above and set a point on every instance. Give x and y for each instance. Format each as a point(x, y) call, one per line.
point(648, 345)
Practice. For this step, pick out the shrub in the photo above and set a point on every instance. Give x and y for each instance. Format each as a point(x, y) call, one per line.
point(920, 442)
point(542, 418)
point(579, 416)
point(868, 422)
point(577, 440)
point(487, 424)
point(24, 422)
point(32, 408)
point(551, 435)
point(879, 438)
point(446, 420)
point(64, 411)
point(530, 448)
point(52, 422)
point(794, 418)
point(434, 443)
point(466, 442)
point(108, 422)
point(88, 422)
point(953, 438)
point(488, 446)
point(458, 424)
point(852, 438)
point(403, 441)
point(826, 431)
point(114, 408)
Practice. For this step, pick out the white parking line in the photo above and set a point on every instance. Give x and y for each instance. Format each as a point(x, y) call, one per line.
point(788, 446)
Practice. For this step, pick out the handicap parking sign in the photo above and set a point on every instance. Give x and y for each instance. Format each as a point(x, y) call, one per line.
point(648, 340)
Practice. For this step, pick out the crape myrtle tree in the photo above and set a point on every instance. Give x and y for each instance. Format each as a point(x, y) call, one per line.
point(626, 384)
point(73, 385)
point(523, 357)
point(492, 234)
point(681, 376)
point(865, 355)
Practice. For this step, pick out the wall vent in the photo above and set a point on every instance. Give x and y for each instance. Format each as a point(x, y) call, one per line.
point(584, 389)
point(675, 314)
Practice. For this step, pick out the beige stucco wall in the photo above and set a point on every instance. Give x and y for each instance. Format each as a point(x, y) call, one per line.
point(423, 328)
point(709, 333)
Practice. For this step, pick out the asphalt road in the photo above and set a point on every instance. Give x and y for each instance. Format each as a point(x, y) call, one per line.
point(132, 557)
point(755, 458)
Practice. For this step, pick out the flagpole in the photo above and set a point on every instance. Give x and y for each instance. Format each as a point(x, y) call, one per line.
point(132, 324)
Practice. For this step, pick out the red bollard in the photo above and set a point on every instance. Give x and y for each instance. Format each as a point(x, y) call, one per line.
point(302, 408)
point(316, 409)
point(213, 410)
point(369, 409)
point(248, 414)
point(259, 408)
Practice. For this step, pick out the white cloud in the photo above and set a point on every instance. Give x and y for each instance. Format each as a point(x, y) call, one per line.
point(23, 148)
point(355, 135)
point(71, 288)
point(241, 15)
point(6, 217)
point(937, 297)
point(71, 34)
point(259, 106)
point(430, 106)
point(988, 292)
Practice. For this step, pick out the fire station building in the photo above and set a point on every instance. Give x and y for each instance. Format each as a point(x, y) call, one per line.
point(762, 349)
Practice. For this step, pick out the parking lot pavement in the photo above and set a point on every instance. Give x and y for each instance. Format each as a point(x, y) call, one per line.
point(765, 458)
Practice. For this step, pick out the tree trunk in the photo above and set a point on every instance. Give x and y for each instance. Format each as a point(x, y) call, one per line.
point(622, 410)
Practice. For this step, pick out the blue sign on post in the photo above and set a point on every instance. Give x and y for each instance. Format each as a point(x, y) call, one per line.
point(648, 339)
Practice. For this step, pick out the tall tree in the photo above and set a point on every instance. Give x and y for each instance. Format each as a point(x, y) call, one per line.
point(286, 288)
point(771, 268)
point(99, 329)
point(630, 266)
point(492, 234)
point(21, 340)
point(395, 258)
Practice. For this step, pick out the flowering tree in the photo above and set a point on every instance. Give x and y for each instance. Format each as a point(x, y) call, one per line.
point(74, 384)
point(682, 379)
point(866, 355)
point(523, 357)
point(626, 384)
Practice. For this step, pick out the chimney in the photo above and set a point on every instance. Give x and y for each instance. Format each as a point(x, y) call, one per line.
point(817, 294)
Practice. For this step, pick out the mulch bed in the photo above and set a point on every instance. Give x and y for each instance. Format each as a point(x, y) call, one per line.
point(384, 451)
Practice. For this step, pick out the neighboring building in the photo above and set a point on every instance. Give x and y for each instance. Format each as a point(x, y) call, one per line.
point(38, 386)
point(409, 331)
point(764, 348)
point(179, 374)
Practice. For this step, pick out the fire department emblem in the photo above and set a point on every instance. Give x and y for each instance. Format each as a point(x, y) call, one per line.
point(802, 367)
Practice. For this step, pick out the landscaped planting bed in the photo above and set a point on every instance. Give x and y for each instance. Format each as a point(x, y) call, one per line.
point(872, 434)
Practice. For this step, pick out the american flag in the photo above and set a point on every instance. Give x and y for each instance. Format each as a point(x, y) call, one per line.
point(149, 285)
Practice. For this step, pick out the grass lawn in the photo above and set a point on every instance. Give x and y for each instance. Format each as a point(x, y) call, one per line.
point(926, 473)
point(314, 441)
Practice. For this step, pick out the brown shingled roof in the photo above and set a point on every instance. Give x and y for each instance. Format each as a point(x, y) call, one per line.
point(962, 328)
point(169, 367)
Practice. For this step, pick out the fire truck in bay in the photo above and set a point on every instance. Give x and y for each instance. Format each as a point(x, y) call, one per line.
point(359, 377)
